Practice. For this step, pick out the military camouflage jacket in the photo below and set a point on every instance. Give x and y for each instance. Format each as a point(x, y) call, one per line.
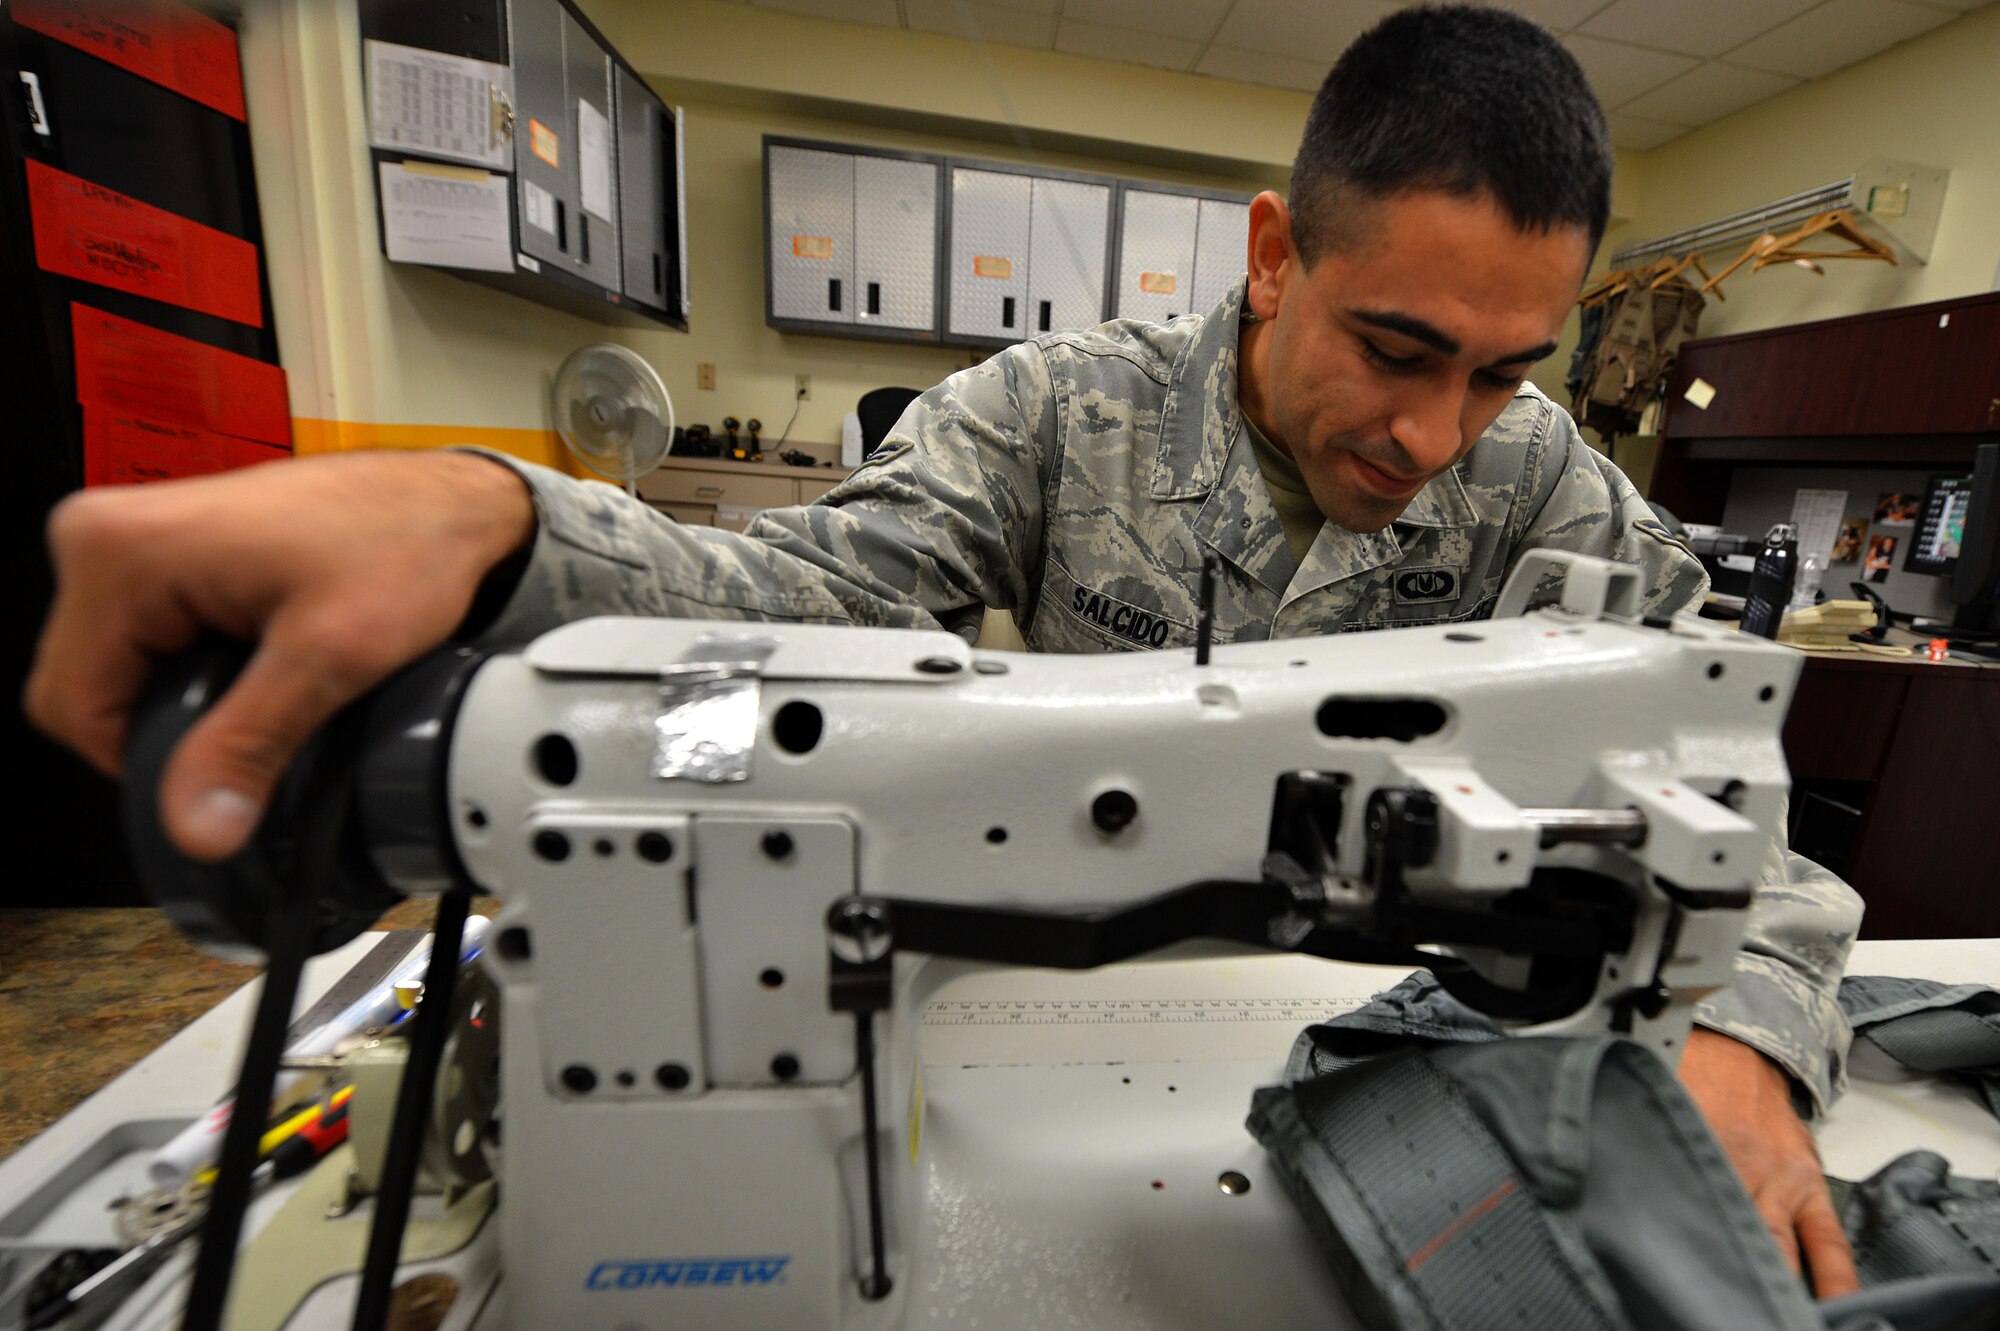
point(1078, 480)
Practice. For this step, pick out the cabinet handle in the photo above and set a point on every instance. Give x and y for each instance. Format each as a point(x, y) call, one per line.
point(1007, 312)
point(1045, 315)
point(708, 491)
point(874, 297)
point(583, 236)
point(833, 294)
point(562, 227)
point(657, 284)
point(1993, 412)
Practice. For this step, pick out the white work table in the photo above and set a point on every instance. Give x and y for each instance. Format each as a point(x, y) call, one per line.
point(1075, 1125)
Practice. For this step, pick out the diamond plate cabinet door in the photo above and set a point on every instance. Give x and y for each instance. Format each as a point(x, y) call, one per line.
point(1156, 256)
point(810, 234)
point(1221, 251)
point(990, 227)
point(895, 243)
point(1070, 225)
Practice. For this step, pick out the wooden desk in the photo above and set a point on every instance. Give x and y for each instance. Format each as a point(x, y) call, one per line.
point(1915, 749)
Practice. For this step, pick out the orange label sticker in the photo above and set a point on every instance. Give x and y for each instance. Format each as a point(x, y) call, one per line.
point(1160, 284)
point(813, 247)
point(542, 141)
point(992, 265)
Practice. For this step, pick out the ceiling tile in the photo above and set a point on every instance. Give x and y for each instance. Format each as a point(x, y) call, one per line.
point(1708, 93)
point(1637, 135)
point(1192, 19)
point(1692, 27)
point(1137, 48)
point(854, 11)
point(990, 22)
point(1560, 15)
point(1837, 34)
point(1618, 73)
point(1273, 71)
point(1303, 31)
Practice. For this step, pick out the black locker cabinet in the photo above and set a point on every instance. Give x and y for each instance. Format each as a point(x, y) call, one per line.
point(597, 184)
point(851, 240)
point(544, 146)
point(651, 218)
point(587, 79)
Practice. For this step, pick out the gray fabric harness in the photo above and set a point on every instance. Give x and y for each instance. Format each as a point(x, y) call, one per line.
point(1460, 1181)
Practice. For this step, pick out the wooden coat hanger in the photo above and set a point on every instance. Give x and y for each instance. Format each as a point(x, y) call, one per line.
point(1840, 224)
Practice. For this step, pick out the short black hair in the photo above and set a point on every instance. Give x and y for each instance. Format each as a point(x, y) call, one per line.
point(1457, 98)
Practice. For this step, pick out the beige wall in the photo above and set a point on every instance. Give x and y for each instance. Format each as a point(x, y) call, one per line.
point(1934, 100)
point(396, 355)
point(384, 354)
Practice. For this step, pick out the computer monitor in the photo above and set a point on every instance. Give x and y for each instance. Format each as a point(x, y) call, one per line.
point(1975, 579)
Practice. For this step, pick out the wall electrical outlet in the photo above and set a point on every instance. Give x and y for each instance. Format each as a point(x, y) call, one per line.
point(704, 376)
point(805, 389)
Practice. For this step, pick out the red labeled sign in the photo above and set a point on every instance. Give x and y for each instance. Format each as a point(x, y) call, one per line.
point(132, 369)
point(130, 450)
point(160, 40)
point(98, 235)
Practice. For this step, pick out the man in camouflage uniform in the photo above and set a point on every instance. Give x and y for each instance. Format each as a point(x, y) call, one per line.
point(1349, 432)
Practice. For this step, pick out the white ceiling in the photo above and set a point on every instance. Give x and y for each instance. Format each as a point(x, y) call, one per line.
point(1661, 67)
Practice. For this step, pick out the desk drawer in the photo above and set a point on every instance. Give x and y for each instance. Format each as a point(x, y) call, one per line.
point(670, 485)
point(810, 489)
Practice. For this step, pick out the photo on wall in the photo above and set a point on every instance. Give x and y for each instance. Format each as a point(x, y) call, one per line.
point(1881, 554)
point(1897, 510)
point(1847, 542)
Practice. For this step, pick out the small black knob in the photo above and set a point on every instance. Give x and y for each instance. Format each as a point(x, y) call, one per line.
point(1113, 811)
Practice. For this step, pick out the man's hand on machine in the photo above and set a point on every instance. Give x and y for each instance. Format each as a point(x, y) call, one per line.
point(341, 569)
point(1748, 1104)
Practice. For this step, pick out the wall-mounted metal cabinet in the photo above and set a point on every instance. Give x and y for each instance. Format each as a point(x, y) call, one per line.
point(574, 196)
point(851, 240)
point(1179, 251)
point(862, 242)
point(1029, 253)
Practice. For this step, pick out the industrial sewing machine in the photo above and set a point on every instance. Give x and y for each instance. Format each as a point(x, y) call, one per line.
point(737, 858)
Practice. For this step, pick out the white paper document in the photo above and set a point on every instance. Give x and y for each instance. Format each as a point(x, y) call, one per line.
point(440, 105)
point(593, 155)
point(1816, 515)
point(453, 217)
point(538, 206)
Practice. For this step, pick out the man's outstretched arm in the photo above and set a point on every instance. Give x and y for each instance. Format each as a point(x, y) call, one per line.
point(1773, 1046)
point(341, 570)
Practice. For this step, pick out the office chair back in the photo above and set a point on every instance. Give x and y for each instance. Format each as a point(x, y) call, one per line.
point(879, 410)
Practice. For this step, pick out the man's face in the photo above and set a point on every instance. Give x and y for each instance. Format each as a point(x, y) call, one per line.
point(1381, 364)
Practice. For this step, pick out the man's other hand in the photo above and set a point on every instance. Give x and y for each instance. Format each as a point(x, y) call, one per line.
point(1748, 1104)
point(340, 570)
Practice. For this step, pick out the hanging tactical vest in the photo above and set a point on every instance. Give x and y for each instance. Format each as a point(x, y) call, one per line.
point(1459, 1180)
point(1643, 330)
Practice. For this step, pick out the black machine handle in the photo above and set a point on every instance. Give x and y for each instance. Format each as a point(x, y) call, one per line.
point(309, 880)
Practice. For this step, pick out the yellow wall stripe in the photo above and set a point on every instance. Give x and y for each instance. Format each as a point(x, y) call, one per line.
point(311, 436)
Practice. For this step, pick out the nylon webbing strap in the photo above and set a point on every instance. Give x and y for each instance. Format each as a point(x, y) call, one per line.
point(1469, 1239)
point(1930, 1027)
